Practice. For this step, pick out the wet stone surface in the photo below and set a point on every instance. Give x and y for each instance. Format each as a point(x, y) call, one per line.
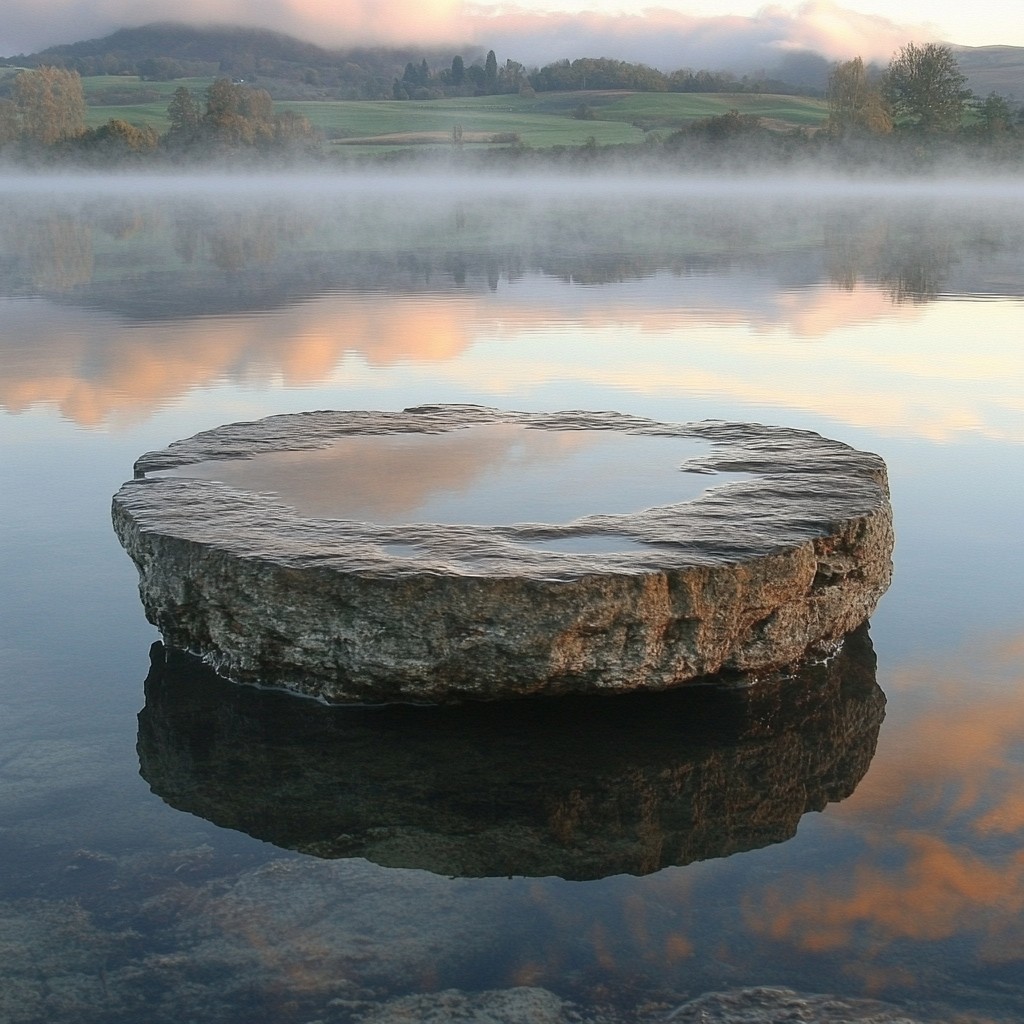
point(754, 573)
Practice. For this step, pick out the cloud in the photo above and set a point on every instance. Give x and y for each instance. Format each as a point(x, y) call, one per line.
point(29, 26)
point(670, 39)
point(659, 36)
point(941, 818)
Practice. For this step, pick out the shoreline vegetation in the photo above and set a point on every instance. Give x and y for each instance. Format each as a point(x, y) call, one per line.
point(914, 116)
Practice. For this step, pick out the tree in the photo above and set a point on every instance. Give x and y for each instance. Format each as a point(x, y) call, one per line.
point(51, 104)
point(854, 102)
point(10, 126)
point(292, 130)
point(512, 76)
point(237, 115)
point(118, 138)
point(995, 116)
point(256, 105)
point(491, 71)
point(458, 71)
point(925, 88)
point(184, 114)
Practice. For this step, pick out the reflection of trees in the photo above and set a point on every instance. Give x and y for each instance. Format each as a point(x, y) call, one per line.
point(238, 239)
point(278, 252)
point(59, 252)
point(910, 257)
point(915, 275)
point(128, 220)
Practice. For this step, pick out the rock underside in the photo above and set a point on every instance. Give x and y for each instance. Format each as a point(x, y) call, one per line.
point(748, 577)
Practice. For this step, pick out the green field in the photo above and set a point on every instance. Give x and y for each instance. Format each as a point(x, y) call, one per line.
point(129, 99)
point(539, 121)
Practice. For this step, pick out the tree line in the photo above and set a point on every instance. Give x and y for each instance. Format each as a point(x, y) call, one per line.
point(915, 110)
point(46, 112)
point(921, 94)
point(488, 78)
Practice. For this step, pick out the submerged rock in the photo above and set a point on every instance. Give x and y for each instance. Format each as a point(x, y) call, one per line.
point(579, 787)
point(540, 1006)
point(521, 1005)
point(749, 576)
point(770, 1005)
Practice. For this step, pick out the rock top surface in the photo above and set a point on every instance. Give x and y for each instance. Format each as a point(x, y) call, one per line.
point(750, 576)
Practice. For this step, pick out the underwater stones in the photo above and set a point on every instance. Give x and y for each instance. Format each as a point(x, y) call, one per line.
point(768, 1005)
point(520, 1005)
point(540, 1006)
point(748, 576)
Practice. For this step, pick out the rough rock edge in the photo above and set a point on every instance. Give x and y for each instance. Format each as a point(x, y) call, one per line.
point(804, 486)
point(747, 577)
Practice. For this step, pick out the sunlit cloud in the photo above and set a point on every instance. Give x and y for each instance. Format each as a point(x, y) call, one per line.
point(97, 371)
point(396, 479)
point(670, 39)
point(941, 821)
point(771, 349)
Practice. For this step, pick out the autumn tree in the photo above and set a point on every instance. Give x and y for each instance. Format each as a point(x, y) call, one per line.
point(51, 104)
point(855, 103)
point(237, 115)
point(118, 138)
point(925, 88)
point(10, 122)
point(292, 130)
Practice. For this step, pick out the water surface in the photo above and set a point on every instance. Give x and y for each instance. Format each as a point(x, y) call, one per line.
point(887, 316)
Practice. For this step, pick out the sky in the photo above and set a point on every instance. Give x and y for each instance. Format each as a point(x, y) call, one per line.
point(733, 34)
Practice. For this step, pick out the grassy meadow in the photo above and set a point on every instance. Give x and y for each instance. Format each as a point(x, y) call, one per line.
point(539, 121)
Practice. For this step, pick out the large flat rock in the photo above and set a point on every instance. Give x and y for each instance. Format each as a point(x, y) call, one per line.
point(751, 575)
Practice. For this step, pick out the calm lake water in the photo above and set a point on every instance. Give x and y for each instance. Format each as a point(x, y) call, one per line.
point(175, 848)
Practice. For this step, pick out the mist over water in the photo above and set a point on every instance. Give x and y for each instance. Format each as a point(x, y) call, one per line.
point(628, 182)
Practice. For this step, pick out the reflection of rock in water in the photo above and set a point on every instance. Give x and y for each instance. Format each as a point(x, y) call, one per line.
point(578, 787)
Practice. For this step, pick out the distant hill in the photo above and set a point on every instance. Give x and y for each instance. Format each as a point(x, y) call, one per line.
point(186, 42)
point(165, 51)
point(293, 69)
point(998, 69)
